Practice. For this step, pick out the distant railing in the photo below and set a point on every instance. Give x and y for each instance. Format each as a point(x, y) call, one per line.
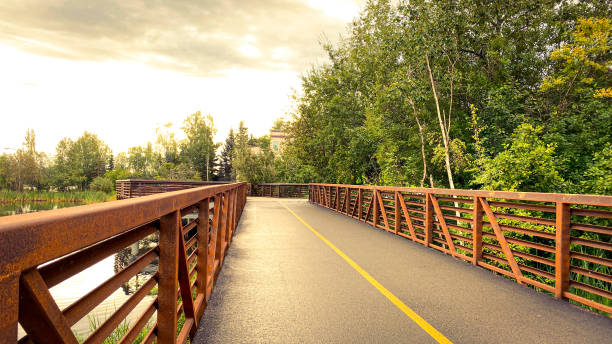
point(193, 229)
point(280, 190)
point(129, 188)
point(558, 243)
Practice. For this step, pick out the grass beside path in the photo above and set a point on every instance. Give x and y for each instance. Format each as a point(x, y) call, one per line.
point(9, 196)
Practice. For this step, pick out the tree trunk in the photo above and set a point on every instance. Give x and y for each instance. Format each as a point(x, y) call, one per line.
point(443, 127)
point(416, 117)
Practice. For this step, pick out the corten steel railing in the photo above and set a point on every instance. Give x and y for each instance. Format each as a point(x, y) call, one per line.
point(557, 243)
point(280, 190)
point(130, 188)
point(40, 250)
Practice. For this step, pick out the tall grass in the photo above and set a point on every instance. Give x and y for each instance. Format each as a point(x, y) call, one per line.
point(118, 332)
point(87, 197)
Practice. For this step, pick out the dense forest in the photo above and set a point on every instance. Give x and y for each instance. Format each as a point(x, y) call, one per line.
point(505, 95)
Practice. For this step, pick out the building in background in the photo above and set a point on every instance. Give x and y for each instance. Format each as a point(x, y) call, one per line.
point(255, 150)
point(277, 138)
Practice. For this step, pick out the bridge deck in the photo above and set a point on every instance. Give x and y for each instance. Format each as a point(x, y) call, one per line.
point(283, 284)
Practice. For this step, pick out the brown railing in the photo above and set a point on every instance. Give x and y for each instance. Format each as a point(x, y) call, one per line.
point(130, 188)
point(192, 230)
point(557, 243)
point(280, 190)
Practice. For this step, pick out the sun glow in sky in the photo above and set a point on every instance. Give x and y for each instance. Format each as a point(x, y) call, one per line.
point(67, 70)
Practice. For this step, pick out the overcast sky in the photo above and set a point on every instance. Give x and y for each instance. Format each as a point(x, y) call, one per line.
point(121, 68)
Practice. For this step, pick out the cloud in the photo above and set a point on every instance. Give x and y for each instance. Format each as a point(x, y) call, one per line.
point(202, 38)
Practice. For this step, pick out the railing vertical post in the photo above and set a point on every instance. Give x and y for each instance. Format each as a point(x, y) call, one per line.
point(234, 204)
point(428, 220)
point(230, 217)
point(217, 226)
point(359, 206)
point(337, 205)
point(223, 225)
point(168, 277)
point(562, 249)
point(202, 262)
point(477, 231)
point(375, 208)
point(398, 219)
point(347, 200)
point(9, 306)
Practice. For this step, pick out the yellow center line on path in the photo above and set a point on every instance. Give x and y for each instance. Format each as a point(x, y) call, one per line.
point(435, 334)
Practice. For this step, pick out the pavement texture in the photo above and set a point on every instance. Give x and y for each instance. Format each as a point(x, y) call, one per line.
point(280, 283)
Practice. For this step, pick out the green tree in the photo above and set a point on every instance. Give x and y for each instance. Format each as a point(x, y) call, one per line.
point(597, 178)
point(253, 160)
point(527, 164)
point(225, 159)
point(166, 144)
point(198, 149)
point(144, 161)
point(78, 162)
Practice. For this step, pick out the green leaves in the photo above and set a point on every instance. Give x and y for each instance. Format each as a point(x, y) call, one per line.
point(527, 164)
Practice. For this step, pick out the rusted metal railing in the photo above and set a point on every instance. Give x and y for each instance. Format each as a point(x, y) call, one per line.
point(130, 188)
point(280, 190)
point(194, 228)
point(558, 243)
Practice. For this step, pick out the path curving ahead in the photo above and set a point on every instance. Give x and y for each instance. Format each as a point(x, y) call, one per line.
point(300, 273)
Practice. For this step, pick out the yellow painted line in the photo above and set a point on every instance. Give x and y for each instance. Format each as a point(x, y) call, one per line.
point(435, 334)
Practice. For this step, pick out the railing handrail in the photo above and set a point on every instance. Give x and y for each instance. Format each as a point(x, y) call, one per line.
point(26, 240)
point(283, 184)
point(584, 199)
point(167, 181)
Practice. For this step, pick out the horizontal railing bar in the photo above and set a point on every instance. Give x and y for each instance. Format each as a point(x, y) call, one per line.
point(538, 284)
point(190, 226)
point(588, 302)
point(591, 228)
point(182, 337)
point(592, 274)
point(592, 243)
point(139, 325)
point(528, 219)
point(66, 267)
point(592, 212)
point(596, 200)
point(100, 334)
point(89, 301)
point(515, 229)
point(524, 206)
point(591, 289)
point(151, 335)
point(591, 259)
point(189, 210)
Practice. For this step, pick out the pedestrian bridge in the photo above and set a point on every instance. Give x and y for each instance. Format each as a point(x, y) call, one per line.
point(350, 264)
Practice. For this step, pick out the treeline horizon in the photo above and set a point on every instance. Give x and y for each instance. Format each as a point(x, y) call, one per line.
point(87, 163)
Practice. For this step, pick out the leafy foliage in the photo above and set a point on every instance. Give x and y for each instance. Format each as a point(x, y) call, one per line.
point(526, 164)
point(506, 95)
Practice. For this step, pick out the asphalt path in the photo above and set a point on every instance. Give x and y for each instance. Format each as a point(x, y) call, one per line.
point(300, 273)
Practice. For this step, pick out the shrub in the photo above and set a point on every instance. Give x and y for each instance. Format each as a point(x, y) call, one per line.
point(102, 184)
